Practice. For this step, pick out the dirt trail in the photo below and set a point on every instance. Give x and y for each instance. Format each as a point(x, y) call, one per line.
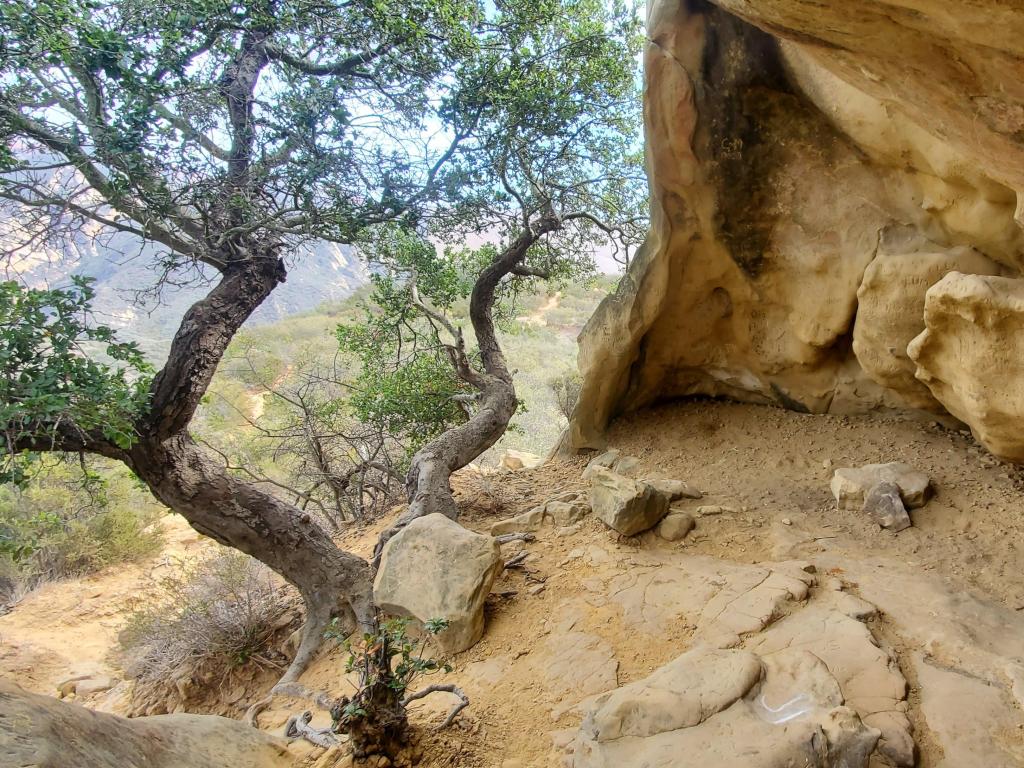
point(537, 317)
point(69, 628)
point(257, 401)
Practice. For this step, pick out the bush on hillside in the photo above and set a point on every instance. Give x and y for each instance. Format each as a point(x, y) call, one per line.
point(566, 388)
point(58, 526)
point(219, 613)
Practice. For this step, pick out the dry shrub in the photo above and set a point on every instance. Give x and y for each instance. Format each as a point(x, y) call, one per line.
point(206, 620)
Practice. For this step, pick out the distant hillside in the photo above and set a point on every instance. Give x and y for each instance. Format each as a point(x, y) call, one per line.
point(126, 274)
point(539, 343)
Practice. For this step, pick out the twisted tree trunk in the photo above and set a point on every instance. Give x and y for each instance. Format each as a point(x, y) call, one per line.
point(333, 583)
point(428, 483)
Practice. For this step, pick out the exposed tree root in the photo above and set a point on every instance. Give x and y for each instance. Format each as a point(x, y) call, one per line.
point(298, 727)
point(441, 688)
point(321, 699)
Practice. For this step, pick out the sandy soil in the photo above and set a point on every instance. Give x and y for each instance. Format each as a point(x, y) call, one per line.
point(555, 636)
point(69, 628)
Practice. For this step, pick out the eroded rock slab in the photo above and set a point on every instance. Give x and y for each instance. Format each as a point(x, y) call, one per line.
point(683, 693)
point(721, 600)
point(831, 628)
point(558, 512)
point(42, 732)
point(436, 569)
point(970, 716)
point(720, 708)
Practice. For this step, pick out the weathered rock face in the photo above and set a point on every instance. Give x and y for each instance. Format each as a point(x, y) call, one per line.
point(436, 569)
point(44, 732)
point(724, 708)
point(815, 167)
point(971, 356)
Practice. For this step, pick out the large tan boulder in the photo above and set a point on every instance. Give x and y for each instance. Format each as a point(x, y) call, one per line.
point(436, 569)
point(890, 311)
point(626, 505)
point(971, 356)
point(513, 459)
point(43, 732)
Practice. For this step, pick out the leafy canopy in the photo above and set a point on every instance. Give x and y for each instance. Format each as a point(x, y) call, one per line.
point(50, 378)
point(547, 170)
point(215, 126)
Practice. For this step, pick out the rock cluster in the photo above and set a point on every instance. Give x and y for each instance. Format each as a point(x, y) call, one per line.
point(809, 686)
point(850, 485)
point(883, 492)
point(560, 511)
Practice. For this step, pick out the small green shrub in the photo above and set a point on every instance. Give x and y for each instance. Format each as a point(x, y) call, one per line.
point(387, 663)
point(566, 388)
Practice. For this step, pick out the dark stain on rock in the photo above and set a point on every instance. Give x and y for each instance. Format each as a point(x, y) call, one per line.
point(741, 74)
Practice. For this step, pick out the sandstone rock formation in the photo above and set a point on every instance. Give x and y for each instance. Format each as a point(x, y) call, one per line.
point(781, 669)
point(971, 356)
point(613, 460)
point(724, 708)
point(815, 167)
point(560, 511)
point(513, 459)
point(43, 732)
point(436, 569)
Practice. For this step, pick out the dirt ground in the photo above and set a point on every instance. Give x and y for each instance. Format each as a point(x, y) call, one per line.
point(556, 635)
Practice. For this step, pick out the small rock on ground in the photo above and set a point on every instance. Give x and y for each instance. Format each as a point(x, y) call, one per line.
point(884, 505)
point(675, 526)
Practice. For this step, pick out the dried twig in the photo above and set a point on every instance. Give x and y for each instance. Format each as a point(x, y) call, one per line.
point(441, 688)
point(517, 560)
